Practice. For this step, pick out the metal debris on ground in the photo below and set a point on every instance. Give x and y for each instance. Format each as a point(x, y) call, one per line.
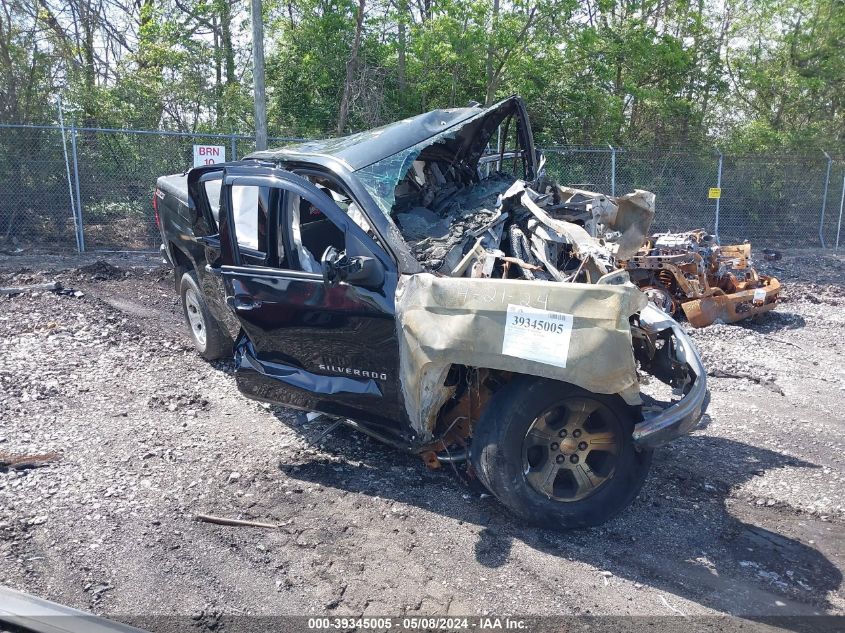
point(207, 518)
point(691, 273)
point(9, 461)
point(53, 286)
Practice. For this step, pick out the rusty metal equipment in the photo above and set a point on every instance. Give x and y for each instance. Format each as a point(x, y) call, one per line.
point(691, 272)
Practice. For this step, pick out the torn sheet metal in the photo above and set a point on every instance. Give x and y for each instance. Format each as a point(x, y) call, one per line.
point(246, 361)
point(443, 320)
point(624, 221)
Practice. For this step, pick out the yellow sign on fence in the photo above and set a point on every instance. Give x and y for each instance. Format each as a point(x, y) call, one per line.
point(714, 193)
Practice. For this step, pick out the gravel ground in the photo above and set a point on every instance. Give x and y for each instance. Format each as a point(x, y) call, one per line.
point(745, 516)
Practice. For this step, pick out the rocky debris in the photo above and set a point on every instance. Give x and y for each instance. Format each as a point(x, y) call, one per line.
point(181, 399)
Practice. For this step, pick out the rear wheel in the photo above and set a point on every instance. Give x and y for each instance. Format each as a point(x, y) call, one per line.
point(210, 339)
point(557, 455)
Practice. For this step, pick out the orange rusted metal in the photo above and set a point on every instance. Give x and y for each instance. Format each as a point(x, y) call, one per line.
point(707, 281)
point(729, 308)
point(456, 421)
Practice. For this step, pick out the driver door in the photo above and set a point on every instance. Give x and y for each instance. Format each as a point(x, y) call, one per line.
point(307, 343)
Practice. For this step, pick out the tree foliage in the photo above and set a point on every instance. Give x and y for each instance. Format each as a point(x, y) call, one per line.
point(746, 74)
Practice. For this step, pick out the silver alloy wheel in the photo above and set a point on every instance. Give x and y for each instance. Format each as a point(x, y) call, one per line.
point(570, 450)
point(193, 308)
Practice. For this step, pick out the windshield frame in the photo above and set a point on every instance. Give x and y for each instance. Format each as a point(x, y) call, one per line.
point(381, 177)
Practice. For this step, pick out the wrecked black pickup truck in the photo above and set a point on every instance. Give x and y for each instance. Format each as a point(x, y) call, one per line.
point(426, 284)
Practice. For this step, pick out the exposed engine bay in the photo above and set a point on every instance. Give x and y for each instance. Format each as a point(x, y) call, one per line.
point(500, 227)
point(691, 272)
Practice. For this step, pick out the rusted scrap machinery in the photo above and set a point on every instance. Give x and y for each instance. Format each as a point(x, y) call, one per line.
point(680, 272)
point(691, 272)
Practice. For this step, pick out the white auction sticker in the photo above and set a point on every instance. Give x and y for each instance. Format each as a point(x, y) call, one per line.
point(539, 335)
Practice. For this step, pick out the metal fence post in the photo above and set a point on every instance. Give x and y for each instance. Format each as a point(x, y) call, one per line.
point(80, 232)
point(824, 199)
point(841, 204)
point(69, 181)
point(234, 142)
point(719, 199)
point(612, 169)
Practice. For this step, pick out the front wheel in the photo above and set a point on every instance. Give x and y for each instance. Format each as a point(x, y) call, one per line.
point(557, 455)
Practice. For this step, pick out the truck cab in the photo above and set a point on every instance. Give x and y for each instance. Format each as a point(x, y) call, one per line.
point(425, 283)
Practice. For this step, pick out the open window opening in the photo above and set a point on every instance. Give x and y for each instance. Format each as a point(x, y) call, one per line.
point(252, 214)
point(447, 189)
point(312, 232)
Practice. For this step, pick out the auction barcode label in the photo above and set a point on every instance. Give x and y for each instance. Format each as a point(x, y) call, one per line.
point(538, 335)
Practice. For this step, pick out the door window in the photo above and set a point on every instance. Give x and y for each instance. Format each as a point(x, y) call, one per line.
point(311, 233)
point(250, 216)
point(250, 212)
point(212, 194)
point(291, 228)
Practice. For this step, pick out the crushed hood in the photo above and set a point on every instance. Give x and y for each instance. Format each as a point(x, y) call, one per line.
point(443, 320)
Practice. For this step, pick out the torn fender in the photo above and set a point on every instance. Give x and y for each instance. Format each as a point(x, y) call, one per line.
point(633, 220)
point(443, 321)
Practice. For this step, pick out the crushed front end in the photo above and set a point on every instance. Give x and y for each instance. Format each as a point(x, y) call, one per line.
point(494, 237)
point(553, 252)
point(664, 350)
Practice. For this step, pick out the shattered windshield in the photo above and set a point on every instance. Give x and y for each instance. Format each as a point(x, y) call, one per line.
point(455, 151)
point(380, 178)
point(434, 191)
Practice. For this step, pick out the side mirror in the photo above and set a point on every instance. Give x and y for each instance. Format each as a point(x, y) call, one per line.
point(360, 271)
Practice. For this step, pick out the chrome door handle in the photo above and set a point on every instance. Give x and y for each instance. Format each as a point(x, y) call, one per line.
point(242, 303)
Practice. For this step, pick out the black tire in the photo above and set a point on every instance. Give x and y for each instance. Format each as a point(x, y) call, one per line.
point(208, 336)
point(502, 452)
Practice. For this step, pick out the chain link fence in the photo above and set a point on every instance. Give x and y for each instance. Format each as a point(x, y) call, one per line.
point(776, 199)
point(101, 180)
point(34, 188)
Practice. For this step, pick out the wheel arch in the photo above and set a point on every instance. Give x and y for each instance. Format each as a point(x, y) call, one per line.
point(474, 388)
point(182, 263)
point(497, 456)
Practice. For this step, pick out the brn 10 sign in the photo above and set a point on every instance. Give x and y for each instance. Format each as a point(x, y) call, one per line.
point(209, 155)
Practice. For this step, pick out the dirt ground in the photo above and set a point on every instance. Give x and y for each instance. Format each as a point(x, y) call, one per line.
point(745, 516)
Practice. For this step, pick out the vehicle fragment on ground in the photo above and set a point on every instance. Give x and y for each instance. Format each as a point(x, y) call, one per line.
point(692, 273)
point(10, 461)
point(53, 286)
